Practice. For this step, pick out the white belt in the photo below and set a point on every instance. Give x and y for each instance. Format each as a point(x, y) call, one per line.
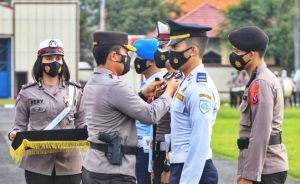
point(176, 158)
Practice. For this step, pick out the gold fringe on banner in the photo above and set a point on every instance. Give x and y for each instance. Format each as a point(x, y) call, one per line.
point(46, 147)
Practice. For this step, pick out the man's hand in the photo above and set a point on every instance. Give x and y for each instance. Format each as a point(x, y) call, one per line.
point(164, 178)
point(153, 88)
point(172, 86)
point(241, 180)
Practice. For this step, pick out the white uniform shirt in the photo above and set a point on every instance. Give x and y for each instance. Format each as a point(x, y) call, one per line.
point(193, 114)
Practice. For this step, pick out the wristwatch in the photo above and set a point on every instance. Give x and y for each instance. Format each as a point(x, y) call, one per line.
point(166, 166)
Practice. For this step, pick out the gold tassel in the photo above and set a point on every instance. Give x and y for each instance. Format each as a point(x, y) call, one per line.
point(46, 147)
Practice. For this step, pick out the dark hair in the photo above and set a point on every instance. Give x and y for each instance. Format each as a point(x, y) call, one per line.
point(261, 53)
point(199, 42)
point(37, 70)
point(101, 52)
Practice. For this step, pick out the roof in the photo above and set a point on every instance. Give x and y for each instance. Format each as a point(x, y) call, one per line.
point(188, 5)
point(207, 15)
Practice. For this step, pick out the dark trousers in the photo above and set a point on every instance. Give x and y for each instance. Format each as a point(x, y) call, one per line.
point(89, 177)
point(141, 169)
point(276, 178)
point(158, 165)
point(36, 178)
point(209, 174)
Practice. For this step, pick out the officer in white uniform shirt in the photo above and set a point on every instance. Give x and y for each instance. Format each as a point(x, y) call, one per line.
point(193, 109)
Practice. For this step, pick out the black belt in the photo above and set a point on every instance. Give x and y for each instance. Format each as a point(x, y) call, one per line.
point(274, 139)
point(126, 150)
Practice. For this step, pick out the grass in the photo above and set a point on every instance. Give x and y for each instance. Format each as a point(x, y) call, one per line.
point(225, 134)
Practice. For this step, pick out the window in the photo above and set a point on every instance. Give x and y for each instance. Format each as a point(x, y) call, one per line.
point(211, 58)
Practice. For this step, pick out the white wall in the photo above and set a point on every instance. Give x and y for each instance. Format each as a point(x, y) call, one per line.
point(36, 21)
point(6, 20)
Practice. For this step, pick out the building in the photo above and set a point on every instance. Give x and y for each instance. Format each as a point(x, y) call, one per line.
point(24, 24)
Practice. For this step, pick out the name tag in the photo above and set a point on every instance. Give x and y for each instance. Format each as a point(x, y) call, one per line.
point(146, 143)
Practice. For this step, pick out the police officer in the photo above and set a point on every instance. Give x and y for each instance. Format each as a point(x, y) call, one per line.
point(144, 64)
point(39, 103)
point(193, 109)
point(112, 106)
point(161, 167)
point(263, 157)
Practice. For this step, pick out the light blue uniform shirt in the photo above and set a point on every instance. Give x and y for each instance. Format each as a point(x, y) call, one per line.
point(144, 129)
point(193, 114)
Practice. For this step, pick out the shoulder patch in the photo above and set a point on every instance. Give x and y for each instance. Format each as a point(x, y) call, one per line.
point(253, 93)
point(201, 77)
point(30, 84)
point(204, 106)
point(75, 84)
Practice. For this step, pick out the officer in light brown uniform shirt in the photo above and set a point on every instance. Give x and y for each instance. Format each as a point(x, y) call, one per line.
point(112, 106)
point(263, 157)
point(40, 102)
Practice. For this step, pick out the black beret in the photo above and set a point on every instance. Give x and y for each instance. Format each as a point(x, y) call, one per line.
point(248, 39)
point(180, 31)
point(110, 38)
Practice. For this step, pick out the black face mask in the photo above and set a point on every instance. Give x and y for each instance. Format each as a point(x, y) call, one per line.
point(161, 58)
point(125, 62)
point(140, 65)
point(177, 59)
point(52, 69)
point(237, 61)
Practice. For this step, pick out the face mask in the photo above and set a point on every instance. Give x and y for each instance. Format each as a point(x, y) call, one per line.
point(177, 59)
point(237, 61)
point(161, 58)
point(140, 65)
point(126, 63)
point(52, 69)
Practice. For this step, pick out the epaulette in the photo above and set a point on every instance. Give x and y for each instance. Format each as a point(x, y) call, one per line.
point(77, 84)
point(24, 86)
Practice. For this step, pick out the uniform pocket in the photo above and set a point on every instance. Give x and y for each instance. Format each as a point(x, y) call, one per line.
point(38, 117)
point(245, 114)
point(179, 107)
point(37, 109)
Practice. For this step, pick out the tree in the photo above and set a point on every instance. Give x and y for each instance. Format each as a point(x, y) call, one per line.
point(89, 17)
point(131, 16)
point(137, 16)
point(274, 17)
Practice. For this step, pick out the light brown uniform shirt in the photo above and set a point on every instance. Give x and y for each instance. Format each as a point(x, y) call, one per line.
point(112, 106)
point(264, 99)
point(36, 107)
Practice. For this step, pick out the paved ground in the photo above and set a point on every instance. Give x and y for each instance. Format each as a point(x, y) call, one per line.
point(11, 174)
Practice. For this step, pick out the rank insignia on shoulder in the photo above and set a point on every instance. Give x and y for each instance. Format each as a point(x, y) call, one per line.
point(75, 84)
point(29, 85)
point(204, 106)
point(180, 97)
point(205, 96)
point(184, 89)
point(201, 77)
